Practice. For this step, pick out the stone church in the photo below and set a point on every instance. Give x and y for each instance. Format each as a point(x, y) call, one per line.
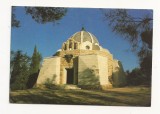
point(82, 61)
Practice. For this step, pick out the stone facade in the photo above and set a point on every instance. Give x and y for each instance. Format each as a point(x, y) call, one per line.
point(50, 69)
point(82, 62)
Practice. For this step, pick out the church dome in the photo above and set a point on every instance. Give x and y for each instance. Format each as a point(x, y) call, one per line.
point(83, 36)
point(81, 40)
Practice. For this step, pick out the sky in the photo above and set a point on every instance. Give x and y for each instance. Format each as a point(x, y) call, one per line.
point(49, 37)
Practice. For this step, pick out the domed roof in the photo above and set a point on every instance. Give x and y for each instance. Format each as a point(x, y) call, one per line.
point(83, 36)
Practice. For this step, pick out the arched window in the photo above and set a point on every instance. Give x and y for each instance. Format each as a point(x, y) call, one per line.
point(75, 46)
point(70, 45)
point(65, 47)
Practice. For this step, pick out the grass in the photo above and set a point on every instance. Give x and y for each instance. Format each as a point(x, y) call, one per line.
point(127, 96)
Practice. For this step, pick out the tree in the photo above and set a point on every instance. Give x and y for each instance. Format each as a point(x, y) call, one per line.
point(34, 68)
point(41, 15)
point(14, 21)
point(138, 31)
point(35, 61)
point(19, 70)
point(135, 77)
point(146, 68)
point(131, 27)
point(46, 14)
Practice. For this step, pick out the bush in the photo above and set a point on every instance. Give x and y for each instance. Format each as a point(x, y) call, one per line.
point(135, 77)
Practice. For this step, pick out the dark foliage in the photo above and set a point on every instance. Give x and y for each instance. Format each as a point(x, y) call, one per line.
point(41, 15)
point(24, 70)
point(140, 76)
point(35, 61)
point(34, 68)
point(147, 37)
point(146, 68)
point(19, 70)
point(46, 14)
point(14, 22)
point(129, 26)
point(135, 77)
point(138, 31)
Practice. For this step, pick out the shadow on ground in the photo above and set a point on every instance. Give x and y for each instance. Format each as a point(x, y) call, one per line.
point(112, 97)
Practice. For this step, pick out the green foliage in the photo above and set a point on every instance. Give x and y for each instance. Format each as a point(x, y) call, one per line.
point(46, 14)
point(24, 70)
point(48, 83)
point(135, 77)
point(14, 21)
point(147, 37)
point(34, 68)
point(139, 76)
point(146, 68)
point(35, 61)
point(138, 31)
point(41, 15)
point(125, 24)
point(19, 70)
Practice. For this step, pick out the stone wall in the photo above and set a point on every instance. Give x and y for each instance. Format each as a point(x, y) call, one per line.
point(50, 71)
point(93, 70)
point(77, 52)
point(103, 70)
point(88, 70)
point(91, 67)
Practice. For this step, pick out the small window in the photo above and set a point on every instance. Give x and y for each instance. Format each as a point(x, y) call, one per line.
point(87, 47)
point(75, 46)
point(70, 45)
point(64, 46)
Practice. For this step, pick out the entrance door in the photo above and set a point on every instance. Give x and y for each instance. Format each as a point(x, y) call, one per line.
point(70, 76)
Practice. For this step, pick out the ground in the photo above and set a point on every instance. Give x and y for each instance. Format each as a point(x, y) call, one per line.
point(127, 96)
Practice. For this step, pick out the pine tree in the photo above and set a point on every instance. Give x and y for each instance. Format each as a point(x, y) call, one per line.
point(34, 68)
point(19, 70)
point(138, 30)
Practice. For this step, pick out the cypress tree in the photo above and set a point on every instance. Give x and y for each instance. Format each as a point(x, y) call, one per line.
point(34, 68)
point(35, 61)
